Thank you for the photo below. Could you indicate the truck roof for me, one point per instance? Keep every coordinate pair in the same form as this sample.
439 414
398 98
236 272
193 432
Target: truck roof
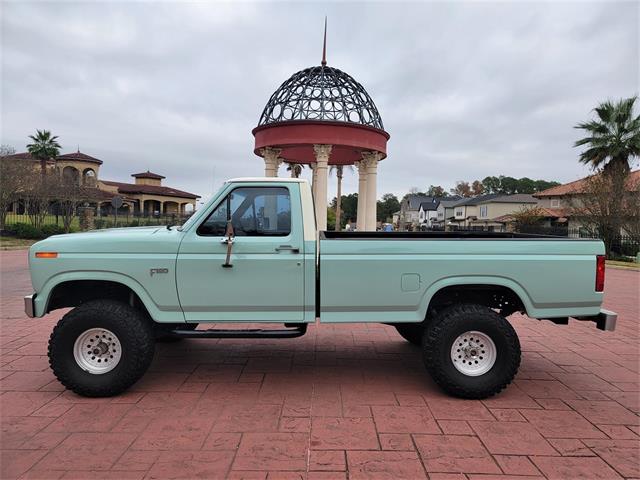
267 179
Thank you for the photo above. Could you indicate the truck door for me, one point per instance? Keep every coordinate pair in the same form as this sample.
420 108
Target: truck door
265 282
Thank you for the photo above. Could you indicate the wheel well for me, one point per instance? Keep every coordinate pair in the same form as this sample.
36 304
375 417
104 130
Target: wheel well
77 292
503 299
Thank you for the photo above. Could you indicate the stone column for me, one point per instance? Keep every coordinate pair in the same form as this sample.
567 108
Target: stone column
372 159
362 195
314 176
271 161
322 153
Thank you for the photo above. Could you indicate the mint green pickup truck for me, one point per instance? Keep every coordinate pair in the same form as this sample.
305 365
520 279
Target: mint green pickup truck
253 255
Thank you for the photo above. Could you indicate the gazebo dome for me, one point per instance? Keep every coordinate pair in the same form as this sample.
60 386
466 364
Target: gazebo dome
321 93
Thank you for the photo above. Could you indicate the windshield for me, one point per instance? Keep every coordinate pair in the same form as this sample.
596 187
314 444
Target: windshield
196 215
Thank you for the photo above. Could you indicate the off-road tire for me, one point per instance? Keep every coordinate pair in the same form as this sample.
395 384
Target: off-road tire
438 339
411 332
162 331
134 331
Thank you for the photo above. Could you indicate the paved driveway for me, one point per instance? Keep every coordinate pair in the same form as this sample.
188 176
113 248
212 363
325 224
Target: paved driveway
341 402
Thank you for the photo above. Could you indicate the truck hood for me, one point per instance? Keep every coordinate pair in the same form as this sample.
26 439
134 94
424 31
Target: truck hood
114 240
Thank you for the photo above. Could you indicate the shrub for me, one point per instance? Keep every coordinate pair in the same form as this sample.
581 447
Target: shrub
25 230
48 230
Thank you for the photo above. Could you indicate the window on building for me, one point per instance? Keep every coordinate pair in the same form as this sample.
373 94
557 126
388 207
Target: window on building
254 212
459 212
483 211
555 203
440 215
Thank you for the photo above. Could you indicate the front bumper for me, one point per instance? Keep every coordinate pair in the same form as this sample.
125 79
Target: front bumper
605 320
29 307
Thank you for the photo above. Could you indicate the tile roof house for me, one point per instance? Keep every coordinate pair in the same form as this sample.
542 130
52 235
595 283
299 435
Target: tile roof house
564 201
146 195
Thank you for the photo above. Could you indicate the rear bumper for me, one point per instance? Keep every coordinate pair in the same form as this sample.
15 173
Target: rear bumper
605 320
29 307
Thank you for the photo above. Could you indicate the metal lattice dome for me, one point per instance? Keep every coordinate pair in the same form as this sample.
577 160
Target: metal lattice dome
321 93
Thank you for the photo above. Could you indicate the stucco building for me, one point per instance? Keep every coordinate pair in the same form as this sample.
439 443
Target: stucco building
146 196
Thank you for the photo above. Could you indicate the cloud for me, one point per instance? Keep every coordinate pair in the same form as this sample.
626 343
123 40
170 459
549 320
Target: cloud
465 89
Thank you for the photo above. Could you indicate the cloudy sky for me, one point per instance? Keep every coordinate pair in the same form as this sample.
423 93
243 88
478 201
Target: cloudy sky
466 89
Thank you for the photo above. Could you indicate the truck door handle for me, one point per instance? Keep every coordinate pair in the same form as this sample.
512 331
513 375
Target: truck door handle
282 248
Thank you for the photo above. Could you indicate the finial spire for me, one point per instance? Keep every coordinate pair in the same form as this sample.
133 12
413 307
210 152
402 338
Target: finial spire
324 44
78 148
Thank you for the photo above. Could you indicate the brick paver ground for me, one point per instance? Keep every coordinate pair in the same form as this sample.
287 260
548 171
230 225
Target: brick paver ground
347 401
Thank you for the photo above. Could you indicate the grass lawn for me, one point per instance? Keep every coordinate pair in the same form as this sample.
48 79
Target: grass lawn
11 243
625 265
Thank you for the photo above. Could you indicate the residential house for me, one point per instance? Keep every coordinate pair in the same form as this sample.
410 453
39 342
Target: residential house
564 201
444 212
484 211
428 213
409 217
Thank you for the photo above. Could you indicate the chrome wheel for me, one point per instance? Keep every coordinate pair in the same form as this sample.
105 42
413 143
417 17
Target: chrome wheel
473 353
97 351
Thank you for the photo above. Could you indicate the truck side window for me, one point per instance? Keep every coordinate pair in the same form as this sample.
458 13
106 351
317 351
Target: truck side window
254 212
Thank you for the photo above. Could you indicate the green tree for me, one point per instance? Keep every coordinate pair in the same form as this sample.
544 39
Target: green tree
44 147
349 208
541 185
387 207
491 184
612 143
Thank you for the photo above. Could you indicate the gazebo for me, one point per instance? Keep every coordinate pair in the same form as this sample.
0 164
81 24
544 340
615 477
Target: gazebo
320 117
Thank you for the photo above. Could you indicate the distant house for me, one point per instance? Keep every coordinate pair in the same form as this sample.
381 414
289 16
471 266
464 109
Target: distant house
428 213
147 196
484 211
565 201
410 210
445 210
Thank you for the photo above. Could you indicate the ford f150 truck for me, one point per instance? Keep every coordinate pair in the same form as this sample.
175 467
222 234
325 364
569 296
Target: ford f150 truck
253 255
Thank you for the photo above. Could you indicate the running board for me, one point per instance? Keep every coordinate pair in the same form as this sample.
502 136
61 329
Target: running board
298 331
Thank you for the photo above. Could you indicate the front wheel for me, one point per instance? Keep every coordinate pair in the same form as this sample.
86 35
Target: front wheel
101 348
471 351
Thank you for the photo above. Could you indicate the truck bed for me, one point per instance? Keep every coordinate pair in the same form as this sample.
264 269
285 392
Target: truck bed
392 276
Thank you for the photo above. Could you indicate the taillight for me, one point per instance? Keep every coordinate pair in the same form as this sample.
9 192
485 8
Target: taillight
600 273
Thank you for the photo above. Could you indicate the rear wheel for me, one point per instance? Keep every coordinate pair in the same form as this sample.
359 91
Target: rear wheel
411 332
101 348
471 351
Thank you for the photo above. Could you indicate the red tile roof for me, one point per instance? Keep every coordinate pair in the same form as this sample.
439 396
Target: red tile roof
633 182
79 156
150 189
148 174
21 156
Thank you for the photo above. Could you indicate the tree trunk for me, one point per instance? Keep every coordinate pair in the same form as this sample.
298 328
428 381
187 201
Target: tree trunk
617 172
339 198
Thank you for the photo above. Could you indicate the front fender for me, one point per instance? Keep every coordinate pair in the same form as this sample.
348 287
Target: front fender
158 313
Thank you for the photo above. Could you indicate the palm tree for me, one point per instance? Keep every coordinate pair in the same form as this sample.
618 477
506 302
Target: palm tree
612 143
339 169
614 137
295 169
44 147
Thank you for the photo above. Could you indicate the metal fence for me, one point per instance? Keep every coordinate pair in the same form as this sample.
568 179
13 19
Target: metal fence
124 219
